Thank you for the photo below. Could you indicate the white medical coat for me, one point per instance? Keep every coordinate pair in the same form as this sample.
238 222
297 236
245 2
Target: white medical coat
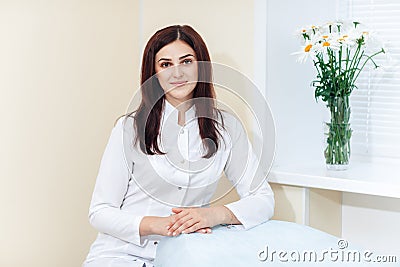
131 184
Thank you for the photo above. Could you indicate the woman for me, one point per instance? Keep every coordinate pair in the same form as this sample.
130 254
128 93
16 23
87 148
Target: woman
163 161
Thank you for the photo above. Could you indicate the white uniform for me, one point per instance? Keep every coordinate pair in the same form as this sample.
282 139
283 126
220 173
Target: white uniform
131 185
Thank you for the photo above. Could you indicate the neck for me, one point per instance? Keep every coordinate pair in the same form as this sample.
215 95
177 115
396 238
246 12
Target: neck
182 107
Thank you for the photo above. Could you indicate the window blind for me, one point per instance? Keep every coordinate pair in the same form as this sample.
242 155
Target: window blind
375 104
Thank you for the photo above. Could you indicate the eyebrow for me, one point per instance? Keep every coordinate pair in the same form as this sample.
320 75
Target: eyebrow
182 57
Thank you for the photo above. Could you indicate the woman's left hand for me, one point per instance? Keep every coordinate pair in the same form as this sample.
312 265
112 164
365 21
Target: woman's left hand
189 220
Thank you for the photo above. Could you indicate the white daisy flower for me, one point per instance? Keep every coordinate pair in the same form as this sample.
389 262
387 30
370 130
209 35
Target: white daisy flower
327 41
306 51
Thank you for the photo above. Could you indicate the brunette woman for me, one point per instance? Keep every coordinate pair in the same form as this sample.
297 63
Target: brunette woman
163 161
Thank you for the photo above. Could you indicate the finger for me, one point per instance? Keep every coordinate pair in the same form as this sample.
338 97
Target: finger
177 210
184 228
171 220
182 221
206 230
195 227
174 218
180 216
178 223
201 231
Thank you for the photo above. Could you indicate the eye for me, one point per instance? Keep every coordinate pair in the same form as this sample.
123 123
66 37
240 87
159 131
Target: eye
187 61
165 64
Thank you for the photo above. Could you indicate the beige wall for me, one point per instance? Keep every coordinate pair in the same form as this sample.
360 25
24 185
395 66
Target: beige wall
289 203
320 209
225 25
68 69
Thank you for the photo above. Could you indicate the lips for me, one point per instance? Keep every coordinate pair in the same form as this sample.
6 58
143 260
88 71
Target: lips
178 83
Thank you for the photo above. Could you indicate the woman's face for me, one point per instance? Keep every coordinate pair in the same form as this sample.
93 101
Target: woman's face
176 71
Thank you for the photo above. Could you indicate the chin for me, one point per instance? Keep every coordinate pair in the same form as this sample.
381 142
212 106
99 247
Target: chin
179 95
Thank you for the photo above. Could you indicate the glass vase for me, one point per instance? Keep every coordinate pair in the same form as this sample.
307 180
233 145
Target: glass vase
338 134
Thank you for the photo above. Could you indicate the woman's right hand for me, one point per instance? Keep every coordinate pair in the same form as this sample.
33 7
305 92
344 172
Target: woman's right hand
154 225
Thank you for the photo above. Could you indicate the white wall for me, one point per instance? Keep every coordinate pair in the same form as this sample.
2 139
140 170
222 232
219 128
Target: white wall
298 117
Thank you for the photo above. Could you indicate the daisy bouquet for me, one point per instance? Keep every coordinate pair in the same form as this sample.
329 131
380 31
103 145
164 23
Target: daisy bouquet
339 51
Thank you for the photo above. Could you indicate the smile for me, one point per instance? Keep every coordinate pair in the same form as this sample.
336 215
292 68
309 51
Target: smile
178 83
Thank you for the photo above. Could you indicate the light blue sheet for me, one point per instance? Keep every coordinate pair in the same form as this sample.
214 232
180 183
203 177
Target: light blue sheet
264 245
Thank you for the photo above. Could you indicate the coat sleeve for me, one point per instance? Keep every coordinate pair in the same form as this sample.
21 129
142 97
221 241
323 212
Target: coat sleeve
255 205
105 213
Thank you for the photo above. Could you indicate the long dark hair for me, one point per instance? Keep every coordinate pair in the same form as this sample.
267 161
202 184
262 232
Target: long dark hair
148 115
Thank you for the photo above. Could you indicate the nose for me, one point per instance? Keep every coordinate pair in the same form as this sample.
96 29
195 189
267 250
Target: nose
177 72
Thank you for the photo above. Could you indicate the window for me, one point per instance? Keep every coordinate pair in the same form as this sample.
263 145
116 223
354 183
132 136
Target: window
376 103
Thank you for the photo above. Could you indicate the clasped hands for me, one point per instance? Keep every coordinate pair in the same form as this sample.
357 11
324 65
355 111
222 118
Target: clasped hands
186 221
190 220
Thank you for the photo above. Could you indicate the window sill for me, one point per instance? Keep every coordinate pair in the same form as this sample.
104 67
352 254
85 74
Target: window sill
377 176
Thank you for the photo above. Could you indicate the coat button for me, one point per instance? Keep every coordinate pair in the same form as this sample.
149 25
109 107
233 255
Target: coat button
155 243
179 188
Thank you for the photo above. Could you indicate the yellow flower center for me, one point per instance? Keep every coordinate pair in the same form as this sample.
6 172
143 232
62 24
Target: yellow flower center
308 48
326 44
303 30
345 36
341 40
365 33
325 36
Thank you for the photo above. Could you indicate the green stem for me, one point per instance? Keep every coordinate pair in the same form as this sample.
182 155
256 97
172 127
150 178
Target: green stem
365 62
338 137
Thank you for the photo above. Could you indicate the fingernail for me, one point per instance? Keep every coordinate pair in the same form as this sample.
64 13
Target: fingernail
168 226
174 234
169 233
204 231
183 232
